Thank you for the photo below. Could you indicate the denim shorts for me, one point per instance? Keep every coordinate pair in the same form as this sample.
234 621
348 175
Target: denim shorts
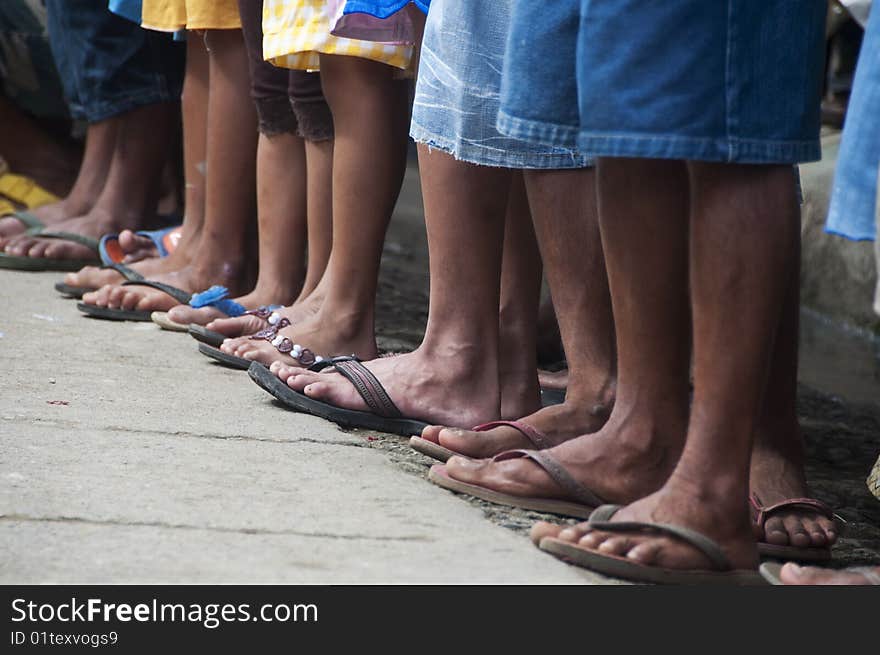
728 81
109 65
854 195
458 89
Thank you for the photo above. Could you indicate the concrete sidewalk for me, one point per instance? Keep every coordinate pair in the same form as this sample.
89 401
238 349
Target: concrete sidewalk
126 457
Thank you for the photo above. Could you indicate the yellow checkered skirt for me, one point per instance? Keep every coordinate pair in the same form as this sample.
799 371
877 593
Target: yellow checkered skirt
295 32
173 15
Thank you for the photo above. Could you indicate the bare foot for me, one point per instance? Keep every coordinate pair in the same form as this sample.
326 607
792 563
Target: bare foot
792 574
93 224
629 458
186 314
454 389
776 476
191 279
136 247
246 325
678 505
325 334
558 423
50 215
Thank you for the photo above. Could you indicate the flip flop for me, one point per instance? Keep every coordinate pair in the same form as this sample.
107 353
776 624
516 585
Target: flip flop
627 569
582 506
144 316
78 292
234 361
22 263
161 319
165 241
204 335
29 220
433 449
794 553
217 297
385 417
770 571
230 361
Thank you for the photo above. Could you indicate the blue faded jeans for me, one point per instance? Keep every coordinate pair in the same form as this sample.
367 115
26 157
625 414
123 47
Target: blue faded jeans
720 80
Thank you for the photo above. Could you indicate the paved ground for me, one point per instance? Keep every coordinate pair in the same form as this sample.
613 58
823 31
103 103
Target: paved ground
125 456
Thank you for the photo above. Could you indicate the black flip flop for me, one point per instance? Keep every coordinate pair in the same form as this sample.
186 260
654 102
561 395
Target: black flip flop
203 334
72 291
231 361
107 313
374 395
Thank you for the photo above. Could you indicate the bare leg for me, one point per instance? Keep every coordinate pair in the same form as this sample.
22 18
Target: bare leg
281 216
564 208
452 377
369 158
229 191
777 465
743 235
642 215
520 295
194 103
319 202
98 153
319 161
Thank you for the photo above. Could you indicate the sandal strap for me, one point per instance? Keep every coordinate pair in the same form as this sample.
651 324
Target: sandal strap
81 239
808 504
179 295
29 220
128 273
538 438
369 387
332 361
556 471
217 296
699 541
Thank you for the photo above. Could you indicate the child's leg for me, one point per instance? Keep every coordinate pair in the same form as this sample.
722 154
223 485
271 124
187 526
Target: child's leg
230 186
194 103
370 115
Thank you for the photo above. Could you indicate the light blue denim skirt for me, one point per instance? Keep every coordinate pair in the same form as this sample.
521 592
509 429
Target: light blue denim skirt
854 195
710 80
458 89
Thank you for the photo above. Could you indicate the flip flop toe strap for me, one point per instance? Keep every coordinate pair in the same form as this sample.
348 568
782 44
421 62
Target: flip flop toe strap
808 504
179 295
217 296
29 220
369 387
556 471
538 438
128 273
276 322
699 541
81 239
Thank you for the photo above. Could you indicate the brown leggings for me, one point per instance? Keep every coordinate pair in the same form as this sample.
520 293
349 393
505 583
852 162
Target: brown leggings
287 101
